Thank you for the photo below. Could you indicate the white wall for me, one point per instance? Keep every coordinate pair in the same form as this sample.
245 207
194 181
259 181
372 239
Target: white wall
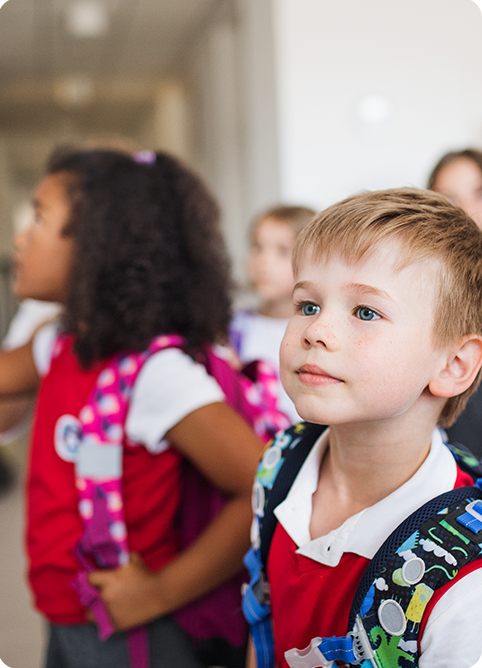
424 56
275 86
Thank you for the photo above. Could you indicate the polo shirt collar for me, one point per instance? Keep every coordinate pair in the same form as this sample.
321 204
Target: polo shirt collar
365 532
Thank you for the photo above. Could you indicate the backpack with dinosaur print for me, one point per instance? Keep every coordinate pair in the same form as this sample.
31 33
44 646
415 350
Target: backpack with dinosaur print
423 553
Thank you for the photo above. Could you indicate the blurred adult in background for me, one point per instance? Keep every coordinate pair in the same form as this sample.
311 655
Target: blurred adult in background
458 176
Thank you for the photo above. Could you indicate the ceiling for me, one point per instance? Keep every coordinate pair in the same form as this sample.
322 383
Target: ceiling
52 82
143 39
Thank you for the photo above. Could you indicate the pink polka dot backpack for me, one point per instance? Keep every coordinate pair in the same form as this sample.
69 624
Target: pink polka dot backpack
252 393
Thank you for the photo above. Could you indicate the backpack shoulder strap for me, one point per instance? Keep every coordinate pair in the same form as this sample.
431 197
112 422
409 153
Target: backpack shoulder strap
251 391
276 473
98 471
425 552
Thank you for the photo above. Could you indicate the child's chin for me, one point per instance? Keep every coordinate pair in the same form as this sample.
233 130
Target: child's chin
310 414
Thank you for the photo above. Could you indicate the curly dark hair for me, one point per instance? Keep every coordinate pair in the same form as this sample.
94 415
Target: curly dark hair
149 256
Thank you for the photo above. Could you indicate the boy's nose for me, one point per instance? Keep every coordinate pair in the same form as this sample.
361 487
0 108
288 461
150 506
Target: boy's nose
322 331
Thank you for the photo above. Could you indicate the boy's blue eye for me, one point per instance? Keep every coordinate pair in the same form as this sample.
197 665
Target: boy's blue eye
309 309
365 313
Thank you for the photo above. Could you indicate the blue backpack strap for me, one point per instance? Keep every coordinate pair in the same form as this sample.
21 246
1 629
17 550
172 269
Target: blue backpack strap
276 473
424 553
256 609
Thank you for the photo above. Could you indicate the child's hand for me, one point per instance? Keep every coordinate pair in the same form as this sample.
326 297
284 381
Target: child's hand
128 593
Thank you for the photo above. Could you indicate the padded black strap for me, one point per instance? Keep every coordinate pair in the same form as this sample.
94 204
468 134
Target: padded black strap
404 530
294 459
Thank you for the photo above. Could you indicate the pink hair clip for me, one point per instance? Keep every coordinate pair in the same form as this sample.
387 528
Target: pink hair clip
145 157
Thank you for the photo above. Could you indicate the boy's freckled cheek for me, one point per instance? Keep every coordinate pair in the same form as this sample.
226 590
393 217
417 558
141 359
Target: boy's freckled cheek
357 343
286 354
360 344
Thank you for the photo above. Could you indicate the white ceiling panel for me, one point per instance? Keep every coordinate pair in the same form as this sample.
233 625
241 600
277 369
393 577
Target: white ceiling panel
39 56
144 38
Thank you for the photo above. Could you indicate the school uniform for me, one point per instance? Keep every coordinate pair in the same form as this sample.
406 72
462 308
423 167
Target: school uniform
312 582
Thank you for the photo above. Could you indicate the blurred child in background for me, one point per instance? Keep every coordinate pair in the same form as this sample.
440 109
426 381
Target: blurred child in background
256 334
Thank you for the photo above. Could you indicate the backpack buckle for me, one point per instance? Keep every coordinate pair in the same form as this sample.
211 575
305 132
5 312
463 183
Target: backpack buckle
472 517
362 648
310 657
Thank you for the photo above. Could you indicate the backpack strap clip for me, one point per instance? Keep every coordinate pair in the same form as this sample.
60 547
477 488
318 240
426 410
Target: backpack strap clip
323 652
310 657
353 649
472 518
362 648
261 588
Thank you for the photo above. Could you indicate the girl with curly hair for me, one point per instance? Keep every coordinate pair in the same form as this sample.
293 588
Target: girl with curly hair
132 249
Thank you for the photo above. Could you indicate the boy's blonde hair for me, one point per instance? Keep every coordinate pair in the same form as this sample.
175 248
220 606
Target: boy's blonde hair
427 227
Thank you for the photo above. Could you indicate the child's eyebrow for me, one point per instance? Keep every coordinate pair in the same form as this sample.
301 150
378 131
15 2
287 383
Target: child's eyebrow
301 285
369 289
353 287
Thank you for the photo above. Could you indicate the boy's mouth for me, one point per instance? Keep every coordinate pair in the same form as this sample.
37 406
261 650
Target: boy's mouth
310 374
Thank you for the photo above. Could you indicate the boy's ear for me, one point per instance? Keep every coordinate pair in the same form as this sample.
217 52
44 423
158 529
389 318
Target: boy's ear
462 364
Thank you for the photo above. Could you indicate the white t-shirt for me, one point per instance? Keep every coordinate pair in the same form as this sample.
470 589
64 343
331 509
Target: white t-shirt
256 337
169 386
453 634
30 314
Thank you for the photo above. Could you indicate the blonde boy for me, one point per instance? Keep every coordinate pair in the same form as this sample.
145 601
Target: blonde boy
385 345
